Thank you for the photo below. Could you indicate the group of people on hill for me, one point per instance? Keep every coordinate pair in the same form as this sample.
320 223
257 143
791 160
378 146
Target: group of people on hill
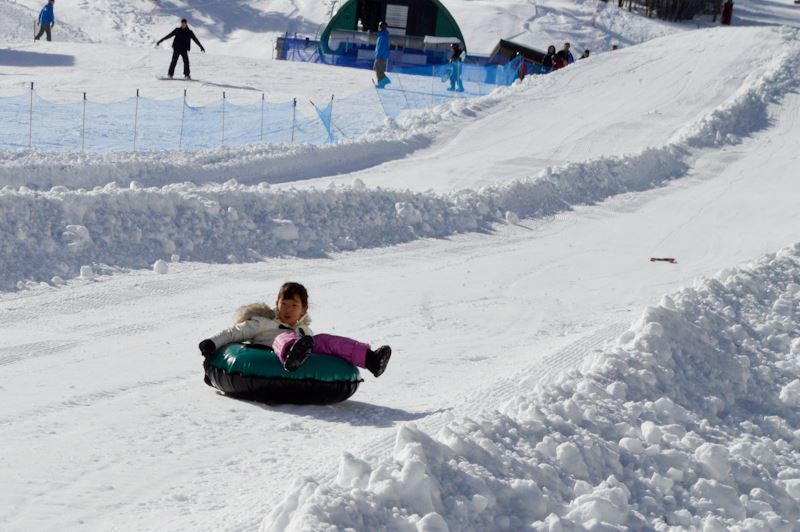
456 59
183 36
554 60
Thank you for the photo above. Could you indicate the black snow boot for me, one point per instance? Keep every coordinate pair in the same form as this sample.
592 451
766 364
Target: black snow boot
378 360
298 353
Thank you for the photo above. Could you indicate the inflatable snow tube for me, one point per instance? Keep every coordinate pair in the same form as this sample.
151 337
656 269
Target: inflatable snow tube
257 374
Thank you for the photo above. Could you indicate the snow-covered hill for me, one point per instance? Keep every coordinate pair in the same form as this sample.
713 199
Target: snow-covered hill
560 151
499 244
248 28
690 421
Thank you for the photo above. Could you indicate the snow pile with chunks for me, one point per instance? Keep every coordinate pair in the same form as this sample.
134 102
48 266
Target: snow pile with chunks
690 420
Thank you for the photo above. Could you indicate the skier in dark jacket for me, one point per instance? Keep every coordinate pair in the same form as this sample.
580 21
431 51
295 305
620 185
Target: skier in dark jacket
47 20
181 45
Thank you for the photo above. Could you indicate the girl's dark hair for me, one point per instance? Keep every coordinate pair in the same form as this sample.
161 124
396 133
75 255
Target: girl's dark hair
290 290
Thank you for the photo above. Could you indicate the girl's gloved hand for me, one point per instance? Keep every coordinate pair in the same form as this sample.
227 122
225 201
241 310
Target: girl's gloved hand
207 348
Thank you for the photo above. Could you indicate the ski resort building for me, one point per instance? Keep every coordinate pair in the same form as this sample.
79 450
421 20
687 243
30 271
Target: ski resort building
421 32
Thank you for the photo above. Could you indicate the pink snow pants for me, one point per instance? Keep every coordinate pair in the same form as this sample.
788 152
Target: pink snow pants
325 344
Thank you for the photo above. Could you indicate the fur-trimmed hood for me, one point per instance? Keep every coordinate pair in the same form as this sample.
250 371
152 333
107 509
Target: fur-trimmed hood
262 310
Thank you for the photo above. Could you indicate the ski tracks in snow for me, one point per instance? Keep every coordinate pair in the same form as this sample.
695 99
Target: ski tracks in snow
545 369
130 21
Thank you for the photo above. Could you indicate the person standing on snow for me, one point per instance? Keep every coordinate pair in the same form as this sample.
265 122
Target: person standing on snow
564 57
47 19
181 45
381 56
549 60
456 60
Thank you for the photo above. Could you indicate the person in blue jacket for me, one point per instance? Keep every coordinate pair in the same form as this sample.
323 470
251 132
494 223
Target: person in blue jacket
47 20
457 56
381 56
564 57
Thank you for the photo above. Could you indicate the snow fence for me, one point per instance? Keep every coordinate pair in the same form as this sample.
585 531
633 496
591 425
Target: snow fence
690 421
145 124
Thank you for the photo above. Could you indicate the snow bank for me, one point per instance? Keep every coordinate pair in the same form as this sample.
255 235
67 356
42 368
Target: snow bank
688 421
54 233
274 163
746 111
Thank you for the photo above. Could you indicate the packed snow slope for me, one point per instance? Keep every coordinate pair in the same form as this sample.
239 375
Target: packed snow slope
507 151
580 113
616 104
688 419
107 423
87 69
249 27
119 430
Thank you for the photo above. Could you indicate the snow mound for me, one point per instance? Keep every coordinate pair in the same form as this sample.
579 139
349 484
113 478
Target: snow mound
274 163
53 233
683 423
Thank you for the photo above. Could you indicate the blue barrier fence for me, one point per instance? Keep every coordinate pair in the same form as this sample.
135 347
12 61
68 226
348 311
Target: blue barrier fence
144 124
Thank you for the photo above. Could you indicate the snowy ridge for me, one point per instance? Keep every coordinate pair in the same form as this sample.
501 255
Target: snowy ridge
747 110
273 163
685 422
54 233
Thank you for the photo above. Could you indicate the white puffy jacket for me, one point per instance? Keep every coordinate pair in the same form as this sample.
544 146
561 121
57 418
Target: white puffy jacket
258 324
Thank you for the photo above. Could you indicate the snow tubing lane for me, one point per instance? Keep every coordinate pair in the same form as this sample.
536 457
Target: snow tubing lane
258 375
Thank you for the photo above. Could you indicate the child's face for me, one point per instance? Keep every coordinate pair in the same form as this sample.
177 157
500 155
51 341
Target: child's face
291 310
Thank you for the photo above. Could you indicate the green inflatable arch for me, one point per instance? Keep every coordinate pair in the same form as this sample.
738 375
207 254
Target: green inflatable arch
346 19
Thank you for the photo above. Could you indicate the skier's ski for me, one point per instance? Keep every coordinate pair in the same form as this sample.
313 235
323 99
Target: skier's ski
167 78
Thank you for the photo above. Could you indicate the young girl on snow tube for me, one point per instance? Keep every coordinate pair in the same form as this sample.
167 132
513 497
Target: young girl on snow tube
287 333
